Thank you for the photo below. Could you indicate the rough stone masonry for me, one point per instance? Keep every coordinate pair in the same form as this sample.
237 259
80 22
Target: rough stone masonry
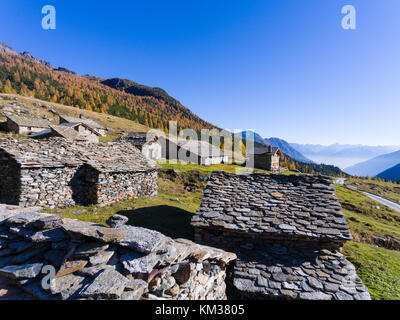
95 262
57 173
287 232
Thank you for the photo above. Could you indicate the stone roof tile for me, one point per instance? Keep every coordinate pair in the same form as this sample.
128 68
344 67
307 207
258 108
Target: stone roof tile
56 152
280 206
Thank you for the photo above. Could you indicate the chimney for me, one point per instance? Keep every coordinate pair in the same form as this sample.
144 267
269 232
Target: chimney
270 149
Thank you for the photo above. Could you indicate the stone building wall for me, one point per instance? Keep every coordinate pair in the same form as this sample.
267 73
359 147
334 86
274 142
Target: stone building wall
278 268
229 240
266 162
10 176
120 186
50 187
95 262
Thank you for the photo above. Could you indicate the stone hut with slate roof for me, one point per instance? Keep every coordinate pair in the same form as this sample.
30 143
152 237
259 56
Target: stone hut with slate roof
25 125
147 143
58 173
267 158
69 131
287 232
194 151
88 122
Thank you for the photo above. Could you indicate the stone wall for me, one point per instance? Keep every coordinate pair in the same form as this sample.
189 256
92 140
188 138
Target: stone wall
229 240
120 186
95 262
10 175
50 187
287 269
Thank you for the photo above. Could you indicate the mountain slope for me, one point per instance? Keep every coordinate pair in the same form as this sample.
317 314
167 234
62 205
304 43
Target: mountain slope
289 150
137 89
374 166
153 107
253 136
392 174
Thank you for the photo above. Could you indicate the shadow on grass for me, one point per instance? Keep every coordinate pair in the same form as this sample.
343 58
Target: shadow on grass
171 221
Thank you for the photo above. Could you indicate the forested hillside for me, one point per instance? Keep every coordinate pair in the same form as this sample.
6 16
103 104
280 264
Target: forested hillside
27 76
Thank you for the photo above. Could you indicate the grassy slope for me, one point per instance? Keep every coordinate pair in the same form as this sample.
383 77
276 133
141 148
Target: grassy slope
388 190
378 268
105 120
364 218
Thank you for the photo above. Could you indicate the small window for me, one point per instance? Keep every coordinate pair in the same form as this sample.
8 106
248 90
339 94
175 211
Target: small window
188 154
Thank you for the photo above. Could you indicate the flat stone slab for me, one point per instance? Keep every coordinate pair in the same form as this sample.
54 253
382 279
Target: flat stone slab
47 222
71 267
101 258
81 228
51 235
90 249
26 271
23 218
109 284
134 264
141 239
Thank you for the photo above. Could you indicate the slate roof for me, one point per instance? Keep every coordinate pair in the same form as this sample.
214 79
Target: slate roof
91 123
56 152
68 133
279 206
29 122
139 138
265 150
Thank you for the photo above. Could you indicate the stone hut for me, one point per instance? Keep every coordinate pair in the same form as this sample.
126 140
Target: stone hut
25 125
58 173
88 122
287 232
193 151
93 262
267 158
69 131
147 143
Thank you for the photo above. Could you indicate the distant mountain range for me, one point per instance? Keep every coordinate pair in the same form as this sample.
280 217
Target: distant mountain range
392 174
375 166
285 147
342 155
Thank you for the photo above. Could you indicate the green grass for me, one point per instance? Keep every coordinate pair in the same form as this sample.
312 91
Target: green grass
378 268
169 212
365 219
205 170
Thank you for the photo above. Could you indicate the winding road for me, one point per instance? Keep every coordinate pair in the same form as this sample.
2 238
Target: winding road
392 205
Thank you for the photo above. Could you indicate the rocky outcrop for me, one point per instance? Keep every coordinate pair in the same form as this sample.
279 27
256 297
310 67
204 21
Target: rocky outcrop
90 261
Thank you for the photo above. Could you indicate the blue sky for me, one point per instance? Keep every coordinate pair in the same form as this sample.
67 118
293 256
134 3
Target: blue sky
284 68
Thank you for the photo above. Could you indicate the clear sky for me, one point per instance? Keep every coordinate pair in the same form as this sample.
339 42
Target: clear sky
284 68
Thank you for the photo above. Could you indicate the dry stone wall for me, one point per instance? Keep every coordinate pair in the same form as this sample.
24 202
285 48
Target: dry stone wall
55 173
276 268
112 187
97 262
